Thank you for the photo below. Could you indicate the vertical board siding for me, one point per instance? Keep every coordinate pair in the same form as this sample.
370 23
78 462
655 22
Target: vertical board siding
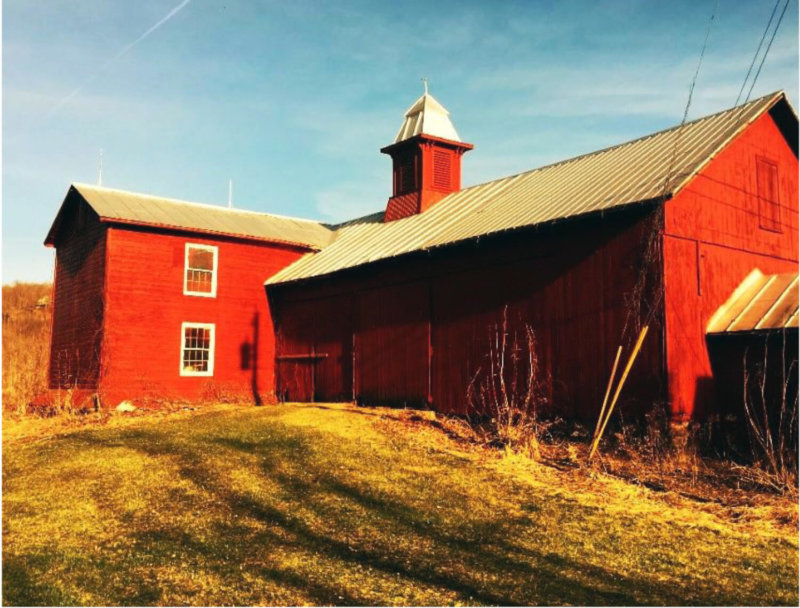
333 344
392 345
713 239
145 307
78 305
424 324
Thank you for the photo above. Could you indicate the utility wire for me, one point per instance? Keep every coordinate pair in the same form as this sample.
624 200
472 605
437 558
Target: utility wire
752 63
775 31
652 246
668 176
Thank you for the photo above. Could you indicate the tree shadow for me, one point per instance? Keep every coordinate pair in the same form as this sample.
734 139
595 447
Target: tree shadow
477 558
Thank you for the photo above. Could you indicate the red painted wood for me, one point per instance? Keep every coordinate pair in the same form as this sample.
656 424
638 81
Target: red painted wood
424 154
569 283
145 307
713 239
78 305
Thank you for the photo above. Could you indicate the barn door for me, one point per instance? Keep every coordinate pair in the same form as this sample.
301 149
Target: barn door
295 375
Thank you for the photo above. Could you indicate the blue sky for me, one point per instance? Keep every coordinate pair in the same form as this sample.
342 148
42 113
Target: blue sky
292 100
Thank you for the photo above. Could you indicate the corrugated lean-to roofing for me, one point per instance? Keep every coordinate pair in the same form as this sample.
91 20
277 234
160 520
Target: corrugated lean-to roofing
118 206
761 302
645 169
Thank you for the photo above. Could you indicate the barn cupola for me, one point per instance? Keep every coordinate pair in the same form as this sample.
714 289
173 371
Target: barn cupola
426 159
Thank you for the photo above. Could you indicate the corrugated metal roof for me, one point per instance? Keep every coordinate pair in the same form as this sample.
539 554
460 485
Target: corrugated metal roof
118 206
761 302
427 116
649 168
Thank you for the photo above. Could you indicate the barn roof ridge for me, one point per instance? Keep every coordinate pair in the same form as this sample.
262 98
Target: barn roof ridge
775 94
650 168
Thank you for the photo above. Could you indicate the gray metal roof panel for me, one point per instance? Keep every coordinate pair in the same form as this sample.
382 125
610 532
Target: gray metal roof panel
760 302
657 165
128 207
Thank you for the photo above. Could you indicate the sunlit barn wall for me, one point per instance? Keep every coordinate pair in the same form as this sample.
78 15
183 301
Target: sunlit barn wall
713 239
145 307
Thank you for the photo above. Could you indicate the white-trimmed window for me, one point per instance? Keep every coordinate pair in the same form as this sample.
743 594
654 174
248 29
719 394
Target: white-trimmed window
197 349
200 271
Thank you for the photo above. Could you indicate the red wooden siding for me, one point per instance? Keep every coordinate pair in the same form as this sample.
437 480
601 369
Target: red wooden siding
78 306
392 344
145 307
425 169
714 236
422 325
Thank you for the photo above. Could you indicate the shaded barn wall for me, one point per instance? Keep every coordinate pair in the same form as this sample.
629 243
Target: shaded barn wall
757 370
78 303
713 239
145 308
414 331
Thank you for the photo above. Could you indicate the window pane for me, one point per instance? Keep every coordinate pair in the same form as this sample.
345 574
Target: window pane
196 352
201 259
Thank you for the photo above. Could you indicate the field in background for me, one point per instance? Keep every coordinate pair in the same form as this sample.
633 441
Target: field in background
325 504
26 343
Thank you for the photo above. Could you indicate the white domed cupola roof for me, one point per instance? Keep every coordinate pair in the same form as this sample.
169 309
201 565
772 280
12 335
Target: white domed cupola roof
428 117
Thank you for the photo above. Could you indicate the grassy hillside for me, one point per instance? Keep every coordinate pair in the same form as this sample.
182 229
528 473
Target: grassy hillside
26 343
338 505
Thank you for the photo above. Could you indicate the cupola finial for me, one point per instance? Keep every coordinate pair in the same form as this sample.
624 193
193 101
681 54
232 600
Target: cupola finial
425 84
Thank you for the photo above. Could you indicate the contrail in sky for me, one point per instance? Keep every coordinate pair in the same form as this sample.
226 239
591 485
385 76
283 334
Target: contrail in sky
119 54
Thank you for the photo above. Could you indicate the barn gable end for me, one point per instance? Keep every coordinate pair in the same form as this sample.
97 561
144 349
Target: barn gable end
78 303
716 232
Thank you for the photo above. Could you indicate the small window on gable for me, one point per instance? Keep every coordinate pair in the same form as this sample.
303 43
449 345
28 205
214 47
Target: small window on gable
197 349
200 272
769 205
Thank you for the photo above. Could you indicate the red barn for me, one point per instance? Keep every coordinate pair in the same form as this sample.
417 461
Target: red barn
163 299
657 231
396 307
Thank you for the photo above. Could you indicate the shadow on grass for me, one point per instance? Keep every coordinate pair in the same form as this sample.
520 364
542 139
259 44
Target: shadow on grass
477 560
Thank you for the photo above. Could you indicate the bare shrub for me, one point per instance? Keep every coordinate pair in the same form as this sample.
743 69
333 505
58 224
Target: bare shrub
507 394
772 419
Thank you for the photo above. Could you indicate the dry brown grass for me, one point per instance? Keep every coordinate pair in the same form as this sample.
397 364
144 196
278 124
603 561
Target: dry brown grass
329 504
26 343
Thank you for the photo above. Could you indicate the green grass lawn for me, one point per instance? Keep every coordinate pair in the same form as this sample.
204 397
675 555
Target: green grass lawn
315 505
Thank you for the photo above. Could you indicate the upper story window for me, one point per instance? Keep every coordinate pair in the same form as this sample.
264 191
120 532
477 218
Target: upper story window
769 201
200 272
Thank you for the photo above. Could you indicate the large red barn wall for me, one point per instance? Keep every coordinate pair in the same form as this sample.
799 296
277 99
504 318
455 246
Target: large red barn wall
145 307
372 332
77 326
712 241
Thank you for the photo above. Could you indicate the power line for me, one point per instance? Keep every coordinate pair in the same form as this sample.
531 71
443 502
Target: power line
775 31
752 63
668 175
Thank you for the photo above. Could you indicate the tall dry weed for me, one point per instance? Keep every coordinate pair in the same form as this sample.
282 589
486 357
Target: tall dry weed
26 343
508 392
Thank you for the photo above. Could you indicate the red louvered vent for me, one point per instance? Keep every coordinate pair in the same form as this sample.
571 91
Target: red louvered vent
406 175
442 170
769 205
